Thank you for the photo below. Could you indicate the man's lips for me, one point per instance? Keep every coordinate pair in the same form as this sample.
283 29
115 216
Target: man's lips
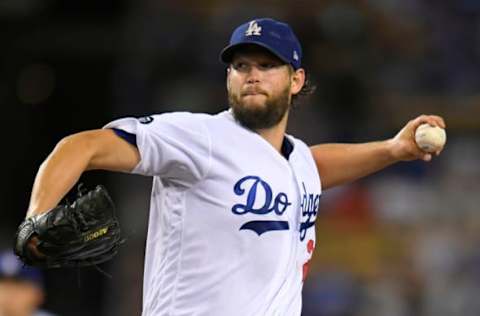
253 92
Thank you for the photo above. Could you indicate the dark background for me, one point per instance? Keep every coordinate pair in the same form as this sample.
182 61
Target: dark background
402 242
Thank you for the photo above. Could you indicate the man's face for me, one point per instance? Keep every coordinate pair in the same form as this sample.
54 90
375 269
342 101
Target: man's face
19 297
260 87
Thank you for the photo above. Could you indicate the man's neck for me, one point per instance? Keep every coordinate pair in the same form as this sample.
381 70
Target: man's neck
274 135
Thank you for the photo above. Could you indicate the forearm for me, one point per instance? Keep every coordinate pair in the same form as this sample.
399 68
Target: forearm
342 163
59 173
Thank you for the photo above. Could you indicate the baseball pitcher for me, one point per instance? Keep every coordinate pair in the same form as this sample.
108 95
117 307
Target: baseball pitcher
234 198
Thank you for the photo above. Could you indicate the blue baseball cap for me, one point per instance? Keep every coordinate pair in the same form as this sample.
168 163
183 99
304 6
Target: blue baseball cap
12 268
277 37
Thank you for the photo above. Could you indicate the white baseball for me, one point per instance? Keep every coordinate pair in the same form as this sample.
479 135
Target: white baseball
430 138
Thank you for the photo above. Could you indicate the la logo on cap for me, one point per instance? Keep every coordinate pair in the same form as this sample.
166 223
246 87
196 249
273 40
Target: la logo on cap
253 29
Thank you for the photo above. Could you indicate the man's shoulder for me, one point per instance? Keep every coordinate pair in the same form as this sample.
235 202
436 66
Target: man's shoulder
185 116
296 141
300 146
180 116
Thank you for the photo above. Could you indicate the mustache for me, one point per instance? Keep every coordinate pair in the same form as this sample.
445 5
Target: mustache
253 90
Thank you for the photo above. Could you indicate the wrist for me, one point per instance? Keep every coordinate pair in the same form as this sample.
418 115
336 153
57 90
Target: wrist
391 150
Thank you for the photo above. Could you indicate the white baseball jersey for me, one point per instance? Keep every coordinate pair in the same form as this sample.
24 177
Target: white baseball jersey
231 224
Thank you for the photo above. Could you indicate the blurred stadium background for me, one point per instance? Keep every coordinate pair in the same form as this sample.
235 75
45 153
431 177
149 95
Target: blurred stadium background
401 242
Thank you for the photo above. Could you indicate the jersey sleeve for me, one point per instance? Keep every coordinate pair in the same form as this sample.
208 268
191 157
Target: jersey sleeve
173 146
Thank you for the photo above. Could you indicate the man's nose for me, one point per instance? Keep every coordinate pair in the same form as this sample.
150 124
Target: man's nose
253 75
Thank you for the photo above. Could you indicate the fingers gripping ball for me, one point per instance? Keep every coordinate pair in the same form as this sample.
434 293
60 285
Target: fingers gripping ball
429 138
83 233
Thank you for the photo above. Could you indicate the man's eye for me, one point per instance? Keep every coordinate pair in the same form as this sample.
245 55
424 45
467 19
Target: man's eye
239 66
268 65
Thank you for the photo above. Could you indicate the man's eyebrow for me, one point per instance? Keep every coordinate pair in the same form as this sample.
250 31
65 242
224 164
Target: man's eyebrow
262 59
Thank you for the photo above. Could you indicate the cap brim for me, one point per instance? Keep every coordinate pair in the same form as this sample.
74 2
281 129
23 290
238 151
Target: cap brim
226 54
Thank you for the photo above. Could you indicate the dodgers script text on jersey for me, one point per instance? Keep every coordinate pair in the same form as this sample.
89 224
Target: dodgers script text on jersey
231 226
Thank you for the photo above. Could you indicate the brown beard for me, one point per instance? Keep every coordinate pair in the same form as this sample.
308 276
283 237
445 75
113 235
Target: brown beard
260 117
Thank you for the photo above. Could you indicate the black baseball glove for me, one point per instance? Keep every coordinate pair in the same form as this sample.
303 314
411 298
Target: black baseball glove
83 233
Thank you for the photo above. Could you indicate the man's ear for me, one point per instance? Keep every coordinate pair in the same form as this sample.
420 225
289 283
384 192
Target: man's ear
227 78
297 80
